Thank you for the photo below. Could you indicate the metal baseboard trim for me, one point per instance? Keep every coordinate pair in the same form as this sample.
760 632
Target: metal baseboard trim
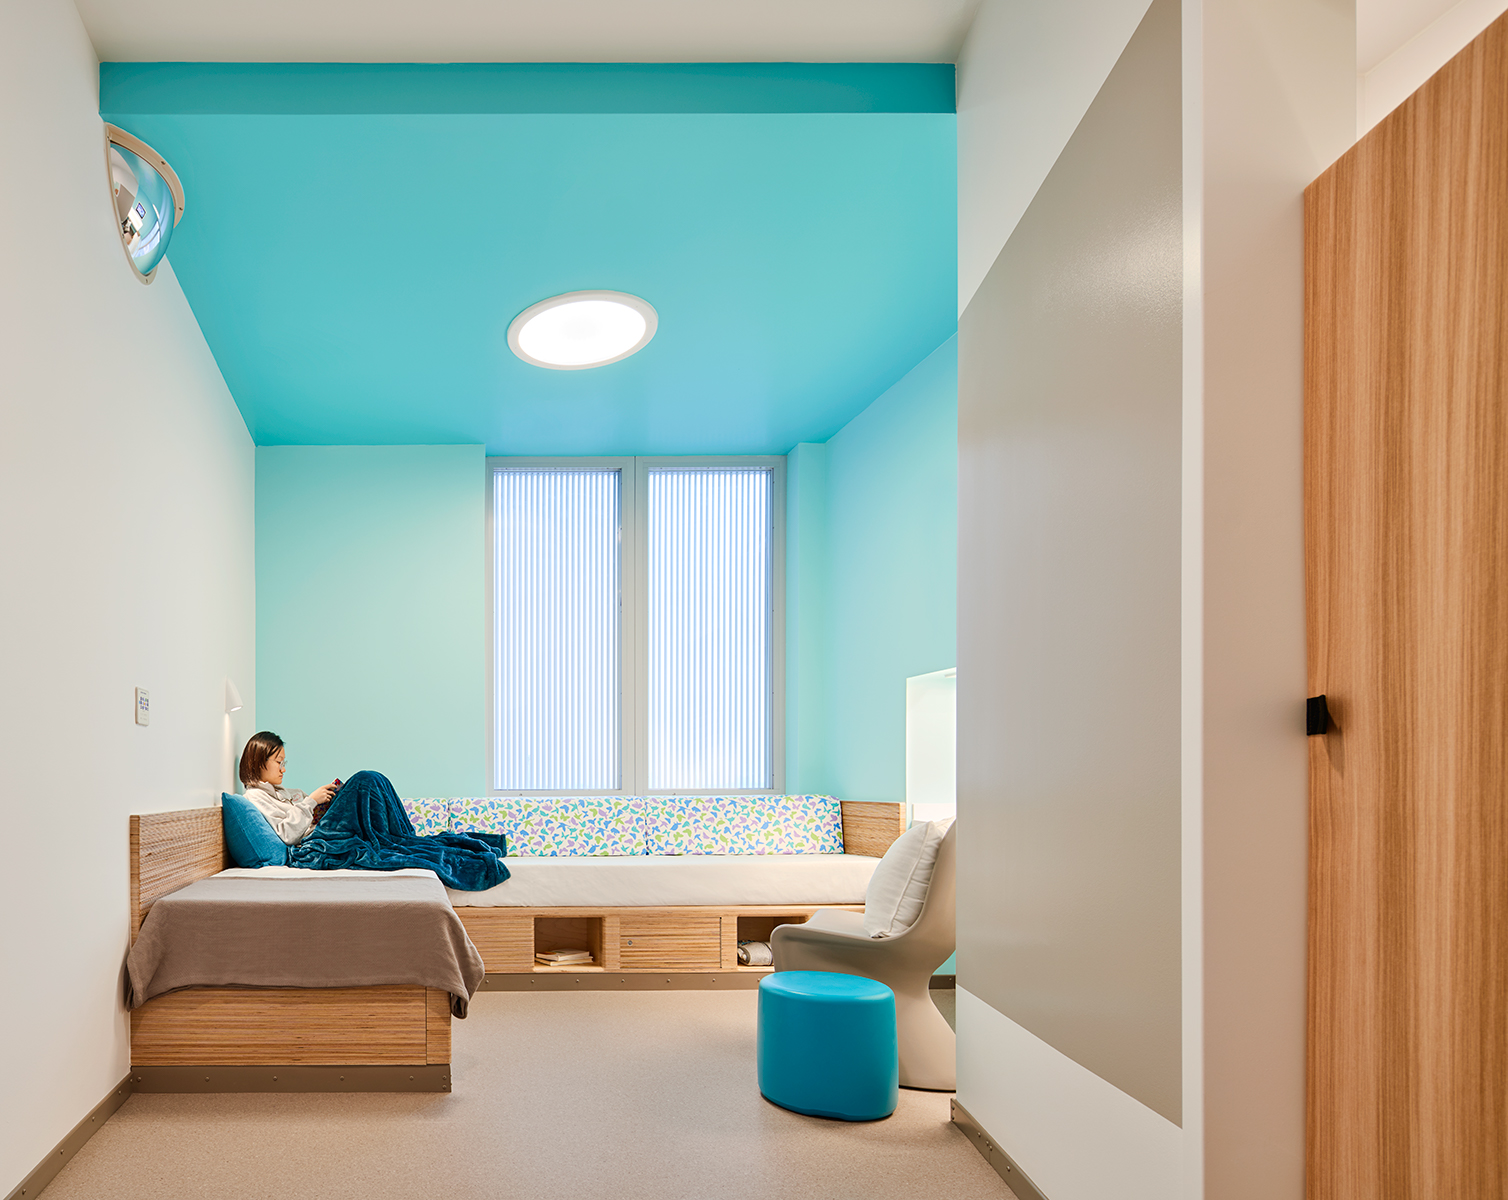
642 981
46 1170
1004 1165
625 981
433 1077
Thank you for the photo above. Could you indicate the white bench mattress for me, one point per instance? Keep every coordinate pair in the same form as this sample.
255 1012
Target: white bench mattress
663 881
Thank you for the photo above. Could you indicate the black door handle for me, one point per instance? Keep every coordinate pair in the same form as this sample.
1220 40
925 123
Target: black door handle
1317 716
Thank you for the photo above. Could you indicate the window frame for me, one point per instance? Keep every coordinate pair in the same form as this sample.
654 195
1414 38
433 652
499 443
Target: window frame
633 614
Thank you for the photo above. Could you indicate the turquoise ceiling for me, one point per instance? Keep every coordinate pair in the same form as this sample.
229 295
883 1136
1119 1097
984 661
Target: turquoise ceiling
357 239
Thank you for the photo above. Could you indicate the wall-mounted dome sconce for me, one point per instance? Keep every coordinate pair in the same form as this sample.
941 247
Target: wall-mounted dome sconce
148 199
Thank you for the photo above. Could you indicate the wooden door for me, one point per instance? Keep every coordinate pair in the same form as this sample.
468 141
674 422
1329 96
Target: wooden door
1407 578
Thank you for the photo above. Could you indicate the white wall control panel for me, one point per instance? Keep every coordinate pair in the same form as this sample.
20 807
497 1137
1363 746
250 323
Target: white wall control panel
143 707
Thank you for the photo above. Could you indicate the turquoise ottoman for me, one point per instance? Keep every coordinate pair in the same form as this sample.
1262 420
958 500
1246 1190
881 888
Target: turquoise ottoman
827 1045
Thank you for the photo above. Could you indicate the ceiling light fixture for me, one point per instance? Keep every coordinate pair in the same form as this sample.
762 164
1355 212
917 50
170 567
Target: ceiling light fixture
582 329
148 199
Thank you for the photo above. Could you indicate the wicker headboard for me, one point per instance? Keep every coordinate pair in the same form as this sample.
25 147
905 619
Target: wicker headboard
171 850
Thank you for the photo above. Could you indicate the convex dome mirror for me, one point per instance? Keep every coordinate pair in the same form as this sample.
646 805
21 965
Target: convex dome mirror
148 199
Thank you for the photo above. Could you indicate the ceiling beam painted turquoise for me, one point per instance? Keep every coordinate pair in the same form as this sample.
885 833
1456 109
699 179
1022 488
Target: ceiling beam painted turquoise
354 256
312 88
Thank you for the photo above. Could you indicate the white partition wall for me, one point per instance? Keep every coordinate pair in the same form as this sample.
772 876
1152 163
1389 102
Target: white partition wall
1131 750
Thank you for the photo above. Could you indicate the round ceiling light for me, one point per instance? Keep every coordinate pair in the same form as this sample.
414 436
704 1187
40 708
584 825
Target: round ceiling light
582 329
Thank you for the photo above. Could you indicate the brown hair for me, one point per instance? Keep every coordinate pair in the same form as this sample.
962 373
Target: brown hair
259 749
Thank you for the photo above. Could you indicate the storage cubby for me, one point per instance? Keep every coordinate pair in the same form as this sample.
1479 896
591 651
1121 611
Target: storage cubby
569 933
759 928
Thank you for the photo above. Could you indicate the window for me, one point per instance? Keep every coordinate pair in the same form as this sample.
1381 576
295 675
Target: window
635 613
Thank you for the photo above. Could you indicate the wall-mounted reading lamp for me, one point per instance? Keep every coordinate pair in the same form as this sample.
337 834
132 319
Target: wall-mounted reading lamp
232 698
148 199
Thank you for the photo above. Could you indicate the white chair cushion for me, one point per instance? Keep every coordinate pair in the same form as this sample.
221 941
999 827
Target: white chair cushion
898 888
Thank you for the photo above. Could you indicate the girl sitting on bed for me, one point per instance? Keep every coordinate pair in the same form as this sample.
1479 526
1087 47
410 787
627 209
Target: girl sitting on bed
361 824
290 813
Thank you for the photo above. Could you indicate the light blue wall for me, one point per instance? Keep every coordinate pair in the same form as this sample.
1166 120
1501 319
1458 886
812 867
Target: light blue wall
873 529
805 614
371 631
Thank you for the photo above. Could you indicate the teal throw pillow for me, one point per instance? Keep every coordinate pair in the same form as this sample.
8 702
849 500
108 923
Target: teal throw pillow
252 842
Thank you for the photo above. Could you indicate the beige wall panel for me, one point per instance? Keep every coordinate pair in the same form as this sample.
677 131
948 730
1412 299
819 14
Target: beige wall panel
1069 562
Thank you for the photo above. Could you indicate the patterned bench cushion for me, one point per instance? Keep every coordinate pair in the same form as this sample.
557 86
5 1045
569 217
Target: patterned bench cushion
429 814
545 826
745 825
618 825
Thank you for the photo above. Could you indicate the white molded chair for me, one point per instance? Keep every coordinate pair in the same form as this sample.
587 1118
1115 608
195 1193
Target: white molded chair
834 940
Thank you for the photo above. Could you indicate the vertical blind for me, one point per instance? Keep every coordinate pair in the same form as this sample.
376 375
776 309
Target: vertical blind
709 629
556 630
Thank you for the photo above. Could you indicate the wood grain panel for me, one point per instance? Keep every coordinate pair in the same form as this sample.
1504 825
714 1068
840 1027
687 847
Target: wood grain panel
611 941
171 850
1406 528
727 957
869 827
253 1026
504 937
671 943
436 1025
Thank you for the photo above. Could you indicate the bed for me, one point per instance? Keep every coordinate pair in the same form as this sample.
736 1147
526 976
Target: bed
396 1037
373 1037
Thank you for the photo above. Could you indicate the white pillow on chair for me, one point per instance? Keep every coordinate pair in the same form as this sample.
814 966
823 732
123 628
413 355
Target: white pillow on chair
898 888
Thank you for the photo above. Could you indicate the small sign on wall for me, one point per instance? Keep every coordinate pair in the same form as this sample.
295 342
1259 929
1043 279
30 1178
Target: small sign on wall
143 707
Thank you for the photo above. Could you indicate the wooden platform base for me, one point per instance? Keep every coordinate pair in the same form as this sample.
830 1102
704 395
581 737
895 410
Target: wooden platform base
422 1077
645 981
664 942
633 981
269 1027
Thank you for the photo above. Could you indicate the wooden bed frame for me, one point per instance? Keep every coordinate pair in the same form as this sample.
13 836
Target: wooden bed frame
213 1039
398 1038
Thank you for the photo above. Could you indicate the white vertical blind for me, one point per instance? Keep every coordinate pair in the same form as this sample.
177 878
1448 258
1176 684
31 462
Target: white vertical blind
709 625
556 630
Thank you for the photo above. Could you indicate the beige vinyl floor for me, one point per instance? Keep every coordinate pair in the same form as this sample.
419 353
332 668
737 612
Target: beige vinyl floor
628 1096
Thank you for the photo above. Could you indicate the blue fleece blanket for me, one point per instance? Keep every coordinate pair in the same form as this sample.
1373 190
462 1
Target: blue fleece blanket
366 829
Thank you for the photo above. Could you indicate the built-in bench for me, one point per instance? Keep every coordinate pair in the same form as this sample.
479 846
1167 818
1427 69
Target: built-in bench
659 890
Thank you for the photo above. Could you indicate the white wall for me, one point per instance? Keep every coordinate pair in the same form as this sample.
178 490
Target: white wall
1027 73
1268 105
126 479
1401 43
1269 102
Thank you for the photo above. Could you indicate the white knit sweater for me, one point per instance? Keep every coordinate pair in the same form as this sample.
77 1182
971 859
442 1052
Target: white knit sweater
288 810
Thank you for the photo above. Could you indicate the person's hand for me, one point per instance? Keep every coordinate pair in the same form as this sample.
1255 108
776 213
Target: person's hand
320 795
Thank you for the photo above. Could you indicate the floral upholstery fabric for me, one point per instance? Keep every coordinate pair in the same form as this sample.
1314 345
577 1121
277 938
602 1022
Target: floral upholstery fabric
795 825
745 825
698 825
567 826
553 827
429 815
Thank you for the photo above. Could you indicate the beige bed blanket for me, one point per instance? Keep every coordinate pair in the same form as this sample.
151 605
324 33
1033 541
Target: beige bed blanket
309 929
